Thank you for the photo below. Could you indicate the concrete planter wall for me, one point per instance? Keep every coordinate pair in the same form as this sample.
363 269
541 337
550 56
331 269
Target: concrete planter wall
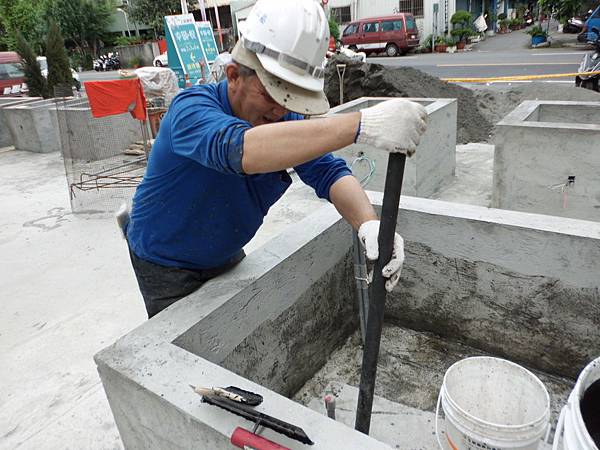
538 147
33 127
6 138
265 325
434 163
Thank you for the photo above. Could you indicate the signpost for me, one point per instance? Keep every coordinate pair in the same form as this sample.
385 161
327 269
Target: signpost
185 52
207 38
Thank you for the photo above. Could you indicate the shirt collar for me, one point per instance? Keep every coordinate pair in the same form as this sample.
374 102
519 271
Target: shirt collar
224 97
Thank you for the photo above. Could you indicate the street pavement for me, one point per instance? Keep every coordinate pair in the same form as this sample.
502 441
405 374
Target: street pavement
496 56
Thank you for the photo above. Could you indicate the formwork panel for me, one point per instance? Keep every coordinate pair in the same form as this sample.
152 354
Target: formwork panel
547 159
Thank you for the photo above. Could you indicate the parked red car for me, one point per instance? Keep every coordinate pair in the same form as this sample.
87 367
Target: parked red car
395 34
11 74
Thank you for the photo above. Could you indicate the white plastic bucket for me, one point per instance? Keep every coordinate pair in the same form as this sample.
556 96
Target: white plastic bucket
571 426
493 404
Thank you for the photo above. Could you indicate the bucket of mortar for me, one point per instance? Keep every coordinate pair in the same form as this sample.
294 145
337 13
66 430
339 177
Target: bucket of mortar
494 404
579 420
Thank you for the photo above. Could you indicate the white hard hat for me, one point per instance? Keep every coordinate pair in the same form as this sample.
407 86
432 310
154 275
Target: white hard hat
290 39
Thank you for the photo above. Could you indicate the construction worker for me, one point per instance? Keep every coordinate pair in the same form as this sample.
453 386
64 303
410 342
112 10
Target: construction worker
219 161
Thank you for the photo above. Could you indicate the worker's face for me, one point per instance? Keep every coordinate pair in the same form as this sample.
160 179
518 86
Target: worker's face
250 100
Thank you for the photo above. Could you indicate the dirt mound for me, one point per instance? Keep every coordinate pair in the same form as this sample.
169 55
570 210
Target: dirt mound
375 80
496 101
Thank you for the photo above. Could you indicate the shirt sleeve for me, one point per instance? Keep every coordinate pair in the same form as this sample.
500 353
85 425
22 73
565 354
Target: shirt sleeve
321 173
203 132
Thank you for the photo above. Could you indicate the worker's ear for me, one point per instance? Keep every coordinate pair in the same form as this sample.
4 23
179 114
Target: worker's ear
233 73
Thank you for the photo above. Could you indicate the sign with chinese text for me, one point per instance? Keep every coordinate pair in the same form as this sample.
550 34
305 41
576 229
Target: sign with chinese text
184 49
207 37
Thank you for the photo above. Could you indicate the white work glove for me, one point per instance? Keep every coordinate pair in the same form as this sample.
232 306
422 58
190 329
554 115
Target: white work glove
395 126
368 234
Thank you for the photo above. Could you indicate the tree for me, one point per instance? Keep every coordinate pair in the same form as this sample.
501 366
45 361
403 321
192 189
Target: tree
24 16
563 9
152 12
31 67
334 29
59 71
82 21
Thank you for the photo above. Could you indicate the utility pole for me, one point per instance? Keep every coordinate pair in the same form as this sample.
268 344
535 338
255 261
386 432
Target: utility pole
184 8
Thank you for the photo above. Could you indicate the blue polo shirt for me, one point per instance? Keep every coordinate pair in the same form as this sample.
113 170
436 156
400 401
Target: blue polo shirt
195 208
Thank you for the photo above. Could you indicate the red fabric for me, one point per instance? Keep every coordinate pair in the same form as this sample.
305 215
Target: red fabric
116 97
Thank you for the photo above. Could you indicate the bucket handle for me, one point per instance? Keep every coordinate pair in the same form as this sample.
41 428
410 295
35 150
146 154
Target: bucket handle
559 428
437 411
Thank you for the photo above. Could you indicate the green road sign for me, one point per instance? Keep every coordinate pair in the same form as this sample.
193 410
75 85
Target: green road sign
207 37
185 53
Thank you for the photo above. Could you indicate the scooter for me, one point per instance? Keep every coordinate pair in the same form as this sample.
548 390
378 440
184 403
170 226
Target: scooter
590 63
576 24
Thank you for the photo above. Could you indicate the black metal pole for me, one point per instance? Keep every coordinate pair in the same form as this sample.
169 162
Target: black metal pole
387 229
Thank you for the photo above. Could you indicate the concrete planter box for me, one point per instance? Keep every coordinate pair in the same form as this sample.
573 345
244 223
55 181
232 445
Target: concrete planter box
5 136
33 127
434 163
520 285
538 147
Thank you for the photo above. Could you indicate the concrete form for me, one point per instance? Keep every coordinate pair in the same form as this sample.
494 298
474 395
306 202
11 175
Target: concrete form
471 273
33 127
433 165
539 146
5 136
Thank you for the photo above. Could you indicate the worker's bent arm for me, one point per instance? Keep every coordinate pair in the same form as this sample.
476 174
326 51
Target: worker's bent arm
279 146
351 201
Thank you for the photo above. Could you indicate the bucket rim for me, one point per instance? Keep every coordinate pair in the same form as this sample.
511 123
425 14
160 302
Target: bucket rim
542 419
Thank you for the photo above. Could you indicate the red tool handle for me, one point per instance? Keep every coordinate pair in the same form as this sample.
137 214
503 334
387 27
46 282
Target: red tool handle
245 439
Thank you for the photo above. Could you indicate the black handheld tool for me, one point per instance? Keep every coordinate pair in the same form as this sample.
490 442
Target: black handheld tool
387 230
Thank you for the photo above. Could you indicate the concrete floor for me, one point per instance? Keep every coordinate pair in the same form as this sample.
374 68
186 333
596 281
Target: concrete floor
68 290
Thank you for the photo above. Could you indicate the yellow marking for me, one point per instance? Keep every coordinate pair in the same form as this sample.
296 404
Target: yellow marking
517 77
512 64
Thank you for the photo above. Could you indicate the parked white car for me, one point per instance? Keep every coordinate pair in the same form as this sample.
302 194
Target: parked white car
44 66
161 60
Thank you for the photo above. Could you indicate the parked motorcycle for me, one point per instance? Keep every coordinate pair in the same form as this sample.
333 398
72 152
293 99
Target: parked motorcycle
576 24
590 63
107 62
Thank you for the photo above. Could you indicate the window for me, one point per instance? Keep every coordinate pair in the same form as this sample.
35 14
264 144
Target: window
342 14
10 71
350 29
414 7
410 23
371 27
391 25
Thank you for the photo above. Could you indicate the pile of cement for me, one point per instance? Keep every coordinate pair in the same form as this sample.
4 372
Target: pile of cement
375 80
496 101
480 107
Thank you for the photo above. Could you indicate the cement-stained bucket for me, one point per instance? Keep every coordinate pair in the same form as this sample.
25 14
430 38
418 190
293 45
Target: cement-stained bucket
571 431
491 403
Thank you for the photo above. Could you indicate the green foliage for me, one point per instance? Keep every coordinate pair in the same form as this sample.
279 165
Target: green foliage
503 23
151 12
427 41
462 18
31 67
59 70
83 60
122 41
564 9
537 31
334 29
24 16
501 16
82 21
135 62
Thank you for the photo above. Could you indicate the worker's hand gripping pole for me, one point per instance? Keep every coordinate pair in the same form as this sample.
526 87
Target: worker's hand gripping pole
389 217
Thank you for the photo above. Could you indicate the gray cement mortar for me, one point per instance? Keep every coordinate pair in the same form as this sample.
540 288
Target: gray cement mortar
410 370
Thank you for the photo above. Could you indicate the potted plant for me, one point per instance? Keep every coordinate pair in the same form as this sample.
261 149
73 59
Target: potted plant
440 44
451 42
503 26
461 24
538 35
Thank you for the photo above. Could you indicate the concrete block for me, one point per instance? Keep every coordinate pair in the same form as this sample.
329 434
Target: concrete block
5 136
32 126
433 165
539 146
523 285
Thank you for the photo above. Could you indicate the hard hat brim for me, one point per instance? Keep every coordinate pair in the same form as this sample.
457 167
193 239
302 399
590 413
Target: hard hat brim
291 97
